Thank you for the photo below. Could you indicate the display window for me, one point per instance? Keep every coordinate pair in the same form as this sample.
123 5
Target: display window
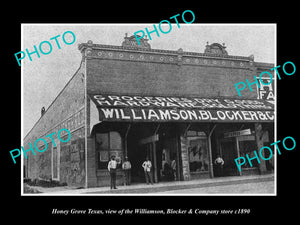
198 151
107 145
247 145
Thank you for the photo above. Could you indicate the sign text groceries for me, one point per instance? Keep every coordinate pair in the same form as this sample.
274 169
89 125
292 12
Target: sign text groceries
36 144
188 109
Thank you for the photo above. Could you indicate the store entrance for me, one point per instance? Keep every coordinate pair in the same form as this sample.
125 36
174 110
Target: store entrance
149 147
228 153
139 150
137 155
142 144
162 151
160 147
169 161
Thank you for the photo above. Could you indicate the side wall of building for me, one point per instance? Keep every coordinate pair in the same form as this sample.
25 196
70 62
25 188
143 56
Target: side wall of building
66 111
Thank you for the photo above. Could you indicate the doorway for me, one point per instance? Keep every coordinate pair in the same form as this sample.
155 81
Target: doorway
141 143
228 152
161 147
137 155
169 160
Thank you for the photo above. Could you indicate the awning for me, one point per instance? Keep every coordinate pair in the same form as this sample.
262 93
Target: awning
190 109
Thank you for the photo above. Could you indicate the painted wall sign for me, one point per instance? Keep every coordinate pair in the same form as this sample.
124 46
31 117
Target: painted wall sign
161 115
179 102
266 89
138 108
72 123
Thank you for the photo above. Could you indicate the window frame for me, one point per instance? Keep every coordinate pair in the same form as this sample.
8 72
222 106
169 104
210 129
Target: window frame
102 165
57 147
198 135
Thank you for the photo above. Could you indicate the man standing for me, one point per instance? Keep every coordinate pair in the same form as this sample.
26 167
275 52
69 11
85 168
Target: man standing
173 166
147 169
219 163
112 168
126 166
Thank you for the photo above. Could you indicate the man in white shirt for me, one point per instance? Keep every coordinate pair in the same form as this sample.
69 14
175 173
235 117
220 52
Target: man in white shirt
147 169
219 162
112 168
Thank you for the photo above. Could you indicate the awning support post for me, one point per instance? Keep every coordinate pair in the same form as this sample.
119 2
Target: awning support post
238 152
156 129
154 156
187 129
125 140
211 173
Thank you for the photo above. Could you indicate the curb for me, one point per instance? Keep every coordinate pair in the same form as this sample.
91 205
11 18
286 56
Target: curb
153 189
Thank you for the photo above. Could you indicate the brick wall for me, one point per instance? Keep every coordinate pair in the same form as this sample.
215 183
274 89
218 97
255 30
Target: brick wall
153 78
91 162
66 111
72 160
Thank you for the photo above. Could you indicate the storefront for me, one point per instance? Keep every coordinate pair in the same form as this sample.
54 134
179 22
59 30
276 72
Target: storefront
178 108
184 133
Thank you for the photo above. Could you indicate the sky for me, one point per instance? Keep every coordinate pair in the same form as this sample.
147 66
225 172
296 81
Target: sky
43 78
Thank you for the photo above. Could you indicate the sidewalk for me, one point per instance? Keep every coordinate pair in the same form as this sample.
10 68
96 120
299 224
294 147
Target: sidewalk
157 187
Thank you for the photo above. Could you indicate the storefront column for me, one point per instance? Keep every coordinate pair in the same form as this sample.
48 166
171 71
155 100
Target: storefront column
154 161
153 145
211 165
185 158
125 141
238 152
260 143
91 163
179 175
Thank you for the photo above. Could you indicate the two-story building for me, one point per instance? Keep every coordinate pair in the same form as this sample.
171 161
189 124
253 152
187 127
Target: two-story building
132 100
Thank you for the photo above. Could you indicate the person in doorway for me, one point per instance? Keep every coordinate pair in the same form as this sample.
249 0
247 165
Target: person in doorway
219 162
147 170
112 168
126 166
173 166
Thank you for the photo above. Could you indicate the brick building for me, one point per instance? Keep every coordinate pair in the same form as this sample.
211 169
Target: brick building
134 101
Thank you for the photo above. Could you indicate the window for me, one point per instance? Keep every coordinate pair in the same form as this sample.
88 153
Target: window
55 162
198 151
108 144
247 147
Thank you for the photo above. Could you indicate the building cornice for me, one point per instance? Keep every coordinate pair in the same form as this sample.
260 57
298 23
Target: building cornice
83 46
179 57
